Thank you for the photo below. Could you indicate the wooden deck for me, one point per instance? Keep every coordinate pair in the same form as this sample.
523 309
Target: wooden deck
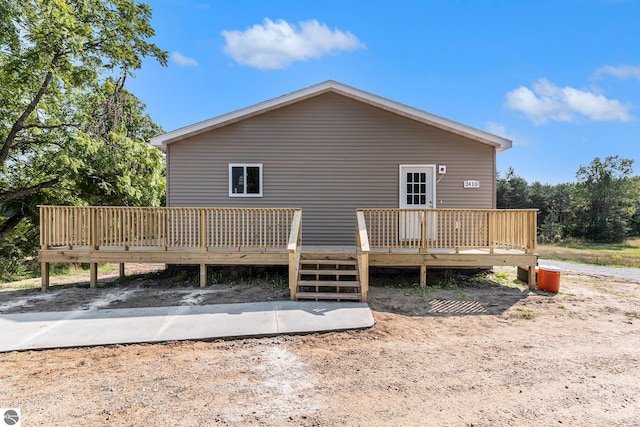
234 236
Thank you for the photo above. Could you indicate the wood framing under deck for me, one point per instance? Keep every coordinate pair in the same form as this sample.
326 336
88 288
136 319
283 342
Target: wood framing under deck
425 238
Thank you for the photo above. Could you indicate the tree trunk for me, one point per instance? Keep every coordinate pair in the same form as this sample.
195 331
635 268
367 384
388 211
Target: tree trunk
11 223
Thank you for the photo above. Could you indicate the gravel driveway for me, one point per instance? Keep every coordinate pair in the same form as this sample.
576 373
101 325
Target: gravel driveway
623 273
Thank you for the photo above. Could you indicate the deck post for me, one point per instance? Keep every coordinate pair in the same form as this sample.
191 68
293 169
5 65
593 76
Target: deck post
93 229
490 231
202 229
203 275
93 274
423 276
423 232
44 266
364 275
533 232
121 268
293 275
44 273
533 285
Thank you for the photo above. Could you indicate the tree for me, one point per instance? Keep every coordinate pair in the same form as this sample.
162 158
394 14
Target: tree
634 214
602 199
555 210
70 133
69 130
512 192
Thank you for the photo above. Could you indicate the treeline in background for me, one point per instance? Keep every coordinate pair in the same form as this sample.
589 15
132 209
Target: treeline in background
603 205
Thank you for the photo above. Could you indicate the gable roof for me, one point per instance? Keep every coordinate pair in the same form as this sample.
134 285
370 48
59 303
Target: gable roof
500 143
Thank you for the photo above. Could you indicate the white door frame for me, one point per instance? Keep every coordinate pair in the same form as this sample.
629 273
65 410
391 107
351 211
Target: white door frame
410 223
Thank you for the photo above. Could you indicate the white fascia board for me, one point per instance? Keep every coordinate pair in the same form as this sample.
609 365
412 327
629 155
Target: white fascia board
498 142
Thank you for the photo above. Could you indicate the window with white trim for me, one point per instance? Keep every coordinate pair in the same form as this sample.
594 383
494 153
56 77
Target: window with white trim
245 180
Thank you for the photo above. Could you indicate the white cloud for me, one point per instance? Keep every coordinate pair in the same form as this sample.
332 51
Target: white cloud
621 72
501 130
182 60
275 45
545 101
497 129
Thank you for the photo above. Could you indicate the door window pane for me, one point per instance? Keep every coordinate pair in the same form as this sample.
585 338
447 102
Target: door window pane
415 189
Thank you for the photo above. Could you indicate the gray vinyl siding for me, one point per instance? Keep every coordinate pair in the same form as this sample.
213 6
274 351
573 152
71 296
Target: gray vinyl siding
328 155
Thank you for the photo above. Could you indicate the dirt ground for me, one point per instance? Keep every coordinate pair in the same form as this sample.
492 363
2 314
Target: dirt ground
469 350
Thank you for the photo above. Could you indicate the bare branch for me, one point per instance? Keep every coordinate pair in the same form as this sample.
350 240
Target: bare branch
58 126
9 224
20 123
12 195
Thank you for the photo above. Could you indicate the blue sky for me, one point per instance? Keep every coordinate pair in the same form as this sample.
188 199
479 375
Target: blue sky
559 78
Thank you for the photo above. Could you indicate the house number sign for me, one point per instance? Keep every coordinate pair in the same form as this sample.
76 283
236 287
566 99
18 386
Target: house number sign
472 184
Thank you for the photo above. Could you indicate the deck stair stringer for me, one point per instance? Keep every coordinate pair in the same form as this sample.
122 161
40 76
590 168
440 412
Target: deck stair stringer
328 276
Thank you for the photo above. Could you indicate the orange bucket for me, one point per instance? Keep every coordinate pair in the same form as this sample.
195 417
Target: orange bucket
549 279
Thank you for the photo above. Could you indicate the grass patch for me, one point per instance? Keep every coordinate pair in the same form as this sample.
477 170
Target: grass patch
618 255
31 270
441 280
275 277
503 278
20 287
567 294
525 313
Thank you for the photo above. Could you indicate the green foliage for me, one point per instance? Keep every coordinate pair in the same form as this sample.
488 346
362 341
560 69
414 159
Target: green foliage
602 198
513 192
15 253
614 254
603 206
70 133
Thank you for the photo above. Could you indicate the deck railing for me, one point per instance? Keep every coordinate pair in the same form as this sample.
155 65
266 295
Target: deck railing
165 228
428 229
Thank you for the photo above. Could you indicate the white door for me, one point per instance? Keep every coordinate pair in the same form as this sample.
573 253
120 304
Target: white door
417 191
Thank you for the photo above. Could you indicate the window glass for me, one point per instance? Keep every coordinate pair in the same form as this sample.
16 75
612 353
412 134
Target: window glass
253 180
237 180
245 180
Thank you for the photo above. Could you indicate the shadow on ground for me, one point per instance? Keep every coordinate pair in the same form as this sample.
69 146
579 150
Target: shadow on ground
393 290
449 292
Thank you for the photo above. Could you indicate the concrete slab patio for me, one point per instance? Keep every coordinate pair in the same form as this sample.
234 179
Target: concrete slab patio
31 331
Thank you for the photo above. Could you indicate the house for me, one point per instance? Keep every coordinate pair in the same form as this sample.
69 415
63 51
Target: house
331 149
327 180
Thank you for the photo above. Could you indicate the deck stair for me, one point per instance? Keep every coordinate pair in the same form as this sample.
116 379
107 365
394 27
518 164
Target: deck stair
324 276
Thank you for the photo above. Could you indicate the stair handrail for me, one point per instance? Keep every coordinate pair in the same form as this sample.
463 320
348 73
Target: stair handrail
362 250
294 248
